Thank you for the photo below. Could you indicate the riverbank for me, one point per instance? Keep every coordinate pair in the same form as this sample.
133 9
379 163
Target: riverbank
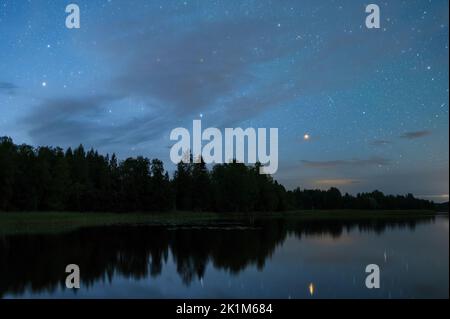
51 222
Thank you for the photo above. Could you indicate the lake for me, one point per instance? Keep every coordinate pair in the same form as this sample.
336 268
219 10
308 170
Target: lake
248 258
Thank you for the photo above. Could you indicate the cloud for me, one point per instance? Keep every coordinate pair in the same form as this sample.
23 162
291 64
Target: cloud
336 182
207 66
230 69
178 73
191 70
437 198
61 120
56 109
415 134
8 87
346 163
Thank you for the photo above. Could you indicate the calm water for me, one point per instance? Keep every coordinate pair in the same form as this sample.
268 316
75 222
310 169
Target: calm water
271 258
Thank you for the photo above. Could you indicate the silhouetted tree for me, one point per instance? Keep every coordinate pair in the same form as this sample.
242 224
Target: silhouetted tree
201 184
47 178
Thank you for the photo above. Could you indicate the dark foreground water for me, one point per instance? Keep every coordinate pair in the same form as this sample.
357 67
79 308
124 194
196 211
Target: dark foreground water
269 258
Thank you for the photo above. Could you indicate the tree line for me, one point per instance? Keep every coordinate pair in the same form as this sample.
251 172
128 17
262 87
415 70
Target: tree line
53 179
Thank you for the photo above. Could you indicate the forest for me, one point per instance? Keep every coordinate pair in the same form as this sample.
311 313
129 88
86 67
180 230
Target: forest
53 179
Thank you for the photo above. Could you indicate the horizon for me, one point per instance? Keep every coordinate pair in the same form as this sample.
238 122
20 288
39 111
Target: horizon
210 166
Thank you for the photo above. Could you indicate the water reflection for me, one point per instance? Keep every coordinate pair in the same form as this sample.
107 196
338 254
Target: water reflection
36 263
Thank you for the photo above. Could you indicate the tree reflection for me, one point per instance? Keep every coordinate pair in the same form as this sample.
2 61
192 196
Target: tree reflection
37 262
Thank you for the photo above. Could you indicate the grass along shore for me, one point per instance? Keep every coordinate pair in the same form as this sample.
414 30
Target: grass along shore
55 222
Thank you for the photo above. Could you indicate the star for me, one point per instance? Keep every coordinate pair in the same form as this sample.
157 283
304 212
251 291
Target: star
44 84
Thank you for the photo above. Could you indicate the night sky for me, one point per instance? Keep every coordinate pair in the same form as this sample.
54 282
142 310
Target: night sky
373 102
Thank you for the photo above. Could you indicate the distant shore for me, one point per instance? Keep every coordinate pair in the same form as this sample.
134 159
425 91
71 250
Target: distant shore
51 222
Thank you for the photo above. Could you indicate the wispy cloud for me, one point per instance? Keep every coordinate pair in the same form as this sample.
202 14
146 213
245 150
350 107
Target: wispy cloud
214 62
438 196
415 134
348 163
336 182
7 87
59 120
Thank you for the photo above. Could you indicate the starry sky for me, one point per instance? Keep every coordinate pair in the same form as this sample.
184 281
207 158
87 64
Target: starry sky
357 108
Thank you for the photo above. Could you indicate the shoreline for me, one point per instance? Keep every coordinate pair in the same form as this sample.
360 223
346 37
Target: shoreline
55 222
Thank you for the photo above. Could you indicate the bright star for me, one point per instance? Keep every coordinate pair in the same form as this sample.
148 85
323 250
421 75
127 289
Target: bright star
311 289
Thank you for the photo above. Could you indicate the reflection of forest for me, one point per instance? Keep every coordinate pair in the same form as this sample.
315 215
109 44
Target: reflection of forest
37 262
